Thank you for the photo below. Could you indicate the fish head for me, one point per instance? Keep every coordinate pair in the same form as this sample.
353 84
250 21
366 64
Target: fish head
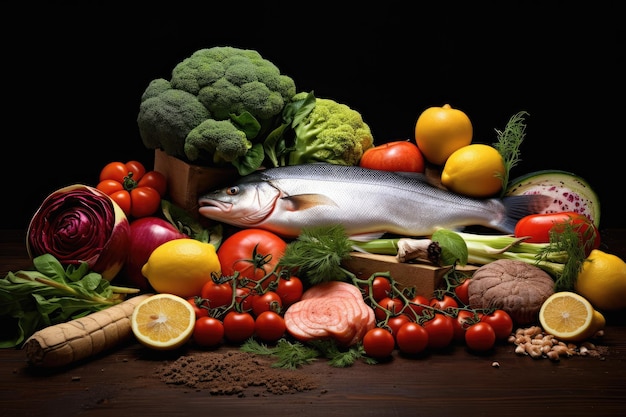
245 204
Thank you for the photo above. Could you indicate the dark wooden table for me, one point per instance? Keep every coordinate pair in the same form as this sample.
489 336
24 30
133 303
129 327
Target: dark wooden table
123 382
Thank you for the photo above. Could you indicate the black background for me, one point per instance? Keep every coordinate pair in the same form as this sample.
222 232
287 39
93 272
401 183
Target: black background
74 73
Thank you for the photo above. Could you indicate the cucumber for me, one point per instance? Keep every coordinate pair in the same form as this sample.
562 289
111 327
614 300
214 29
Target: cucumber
570 192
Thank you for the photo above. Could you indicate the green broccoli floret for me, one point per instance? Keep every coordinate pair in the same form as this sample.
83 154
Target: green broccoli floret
331 132
222 84
216 141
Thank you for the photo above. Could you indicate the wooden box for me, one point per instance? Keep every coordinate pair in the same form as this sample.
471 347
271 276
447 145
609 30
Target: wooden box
186 182
425 278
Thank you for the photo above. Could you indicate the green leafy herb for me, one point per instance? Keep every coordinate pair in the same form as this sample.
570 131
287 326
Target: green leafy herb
51 294
508 144
453 247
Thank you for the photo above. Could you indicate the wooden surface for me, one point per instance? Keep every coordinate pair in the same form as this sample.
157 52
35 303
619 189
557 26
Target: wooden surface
124 382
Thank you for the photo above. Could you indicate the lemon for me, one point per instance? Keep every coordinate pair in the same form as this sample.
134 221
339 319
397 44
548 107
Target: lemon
570 317
439 131
474 170
602 281
163 321
181 266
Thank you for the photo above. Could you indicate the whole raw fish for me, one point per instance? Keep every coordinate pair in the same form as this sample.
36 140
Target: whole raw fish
366 202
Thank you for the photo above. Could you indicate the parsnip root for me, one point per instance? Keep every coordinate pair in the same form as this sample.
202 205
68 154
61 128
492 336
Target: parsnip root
64 343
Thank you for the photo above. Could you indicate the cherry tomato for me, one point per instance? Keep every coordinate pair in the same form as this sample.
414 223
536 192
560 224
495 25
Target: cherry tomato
238 326
440 331
480 337
501 322
252 252
412 338
396 322
379 343
217 293
417 304
244 298
394 305
289 290
137 192
444 302
200 306
268 301
401 155
538 226
461 291
464 319
208 332
381 288
269 326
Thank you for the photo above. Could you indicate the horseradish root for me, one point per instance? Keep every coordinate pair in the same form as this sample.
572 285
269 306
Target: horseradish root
64 343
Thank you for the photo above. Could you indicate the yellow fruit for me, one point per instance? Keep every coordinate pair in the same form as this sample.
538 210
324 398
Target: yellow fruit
181 267
602 281
570 317
474 170
163 321
439 131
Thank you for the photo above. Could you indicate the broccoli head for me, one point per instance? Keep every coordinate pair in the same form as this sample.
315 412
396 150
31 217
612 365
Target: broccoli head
330 132
218 84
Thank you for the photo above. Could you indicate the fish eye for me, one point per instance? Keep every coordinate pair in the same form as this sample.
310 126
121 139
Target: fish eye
232 190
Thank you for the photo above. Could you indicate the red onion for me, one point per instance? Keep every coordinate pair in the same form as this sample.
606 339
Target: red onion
78 224
146 234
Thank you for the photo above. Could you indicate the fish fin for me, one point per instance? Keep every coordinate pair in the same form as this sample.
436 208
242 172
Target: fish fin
306 201
519 206
366 237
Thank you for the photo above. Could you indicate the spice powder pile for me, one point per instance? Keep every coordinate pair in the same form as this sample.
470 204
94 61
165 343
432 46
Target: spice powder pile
232 373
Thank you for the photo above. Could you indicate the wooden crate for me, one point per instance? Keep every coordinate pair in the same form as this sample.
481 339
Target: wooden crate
186 182
425 278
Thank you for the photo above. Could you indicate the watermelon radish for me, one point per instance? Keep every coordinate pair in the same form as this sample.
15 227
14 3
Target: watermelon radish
570 192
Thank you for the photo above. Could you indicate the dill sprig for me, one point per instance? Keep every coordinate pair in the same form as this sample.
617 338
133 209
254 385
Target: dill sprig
508 144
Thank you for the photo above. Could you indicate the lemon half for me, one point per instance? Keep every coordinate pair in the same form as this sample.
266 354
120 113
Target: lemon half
570 317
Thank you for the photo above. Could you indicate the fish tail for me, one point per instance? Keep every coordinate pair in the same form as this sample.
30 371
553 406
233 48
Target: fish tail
519 206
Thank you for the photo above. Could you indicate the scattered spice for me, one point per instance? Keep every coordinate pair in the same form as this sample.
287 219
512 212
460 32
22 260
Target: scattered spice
233 373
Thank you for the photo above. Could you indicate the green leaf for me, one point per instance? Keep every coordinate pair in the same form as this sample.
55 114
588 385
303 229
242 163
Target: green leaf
453 247
251 161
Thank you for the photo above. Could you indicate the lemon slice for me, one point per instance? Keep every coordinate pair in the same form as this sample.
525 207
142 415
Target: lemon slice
163 321
570 317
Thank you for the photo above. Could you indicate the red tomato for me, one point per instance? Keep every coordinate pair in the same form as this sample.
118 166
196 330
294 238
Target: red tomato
238 326
289 290
480 337
378 343
538 226
464 319
417 304
396 322
401 156
269 326
217 294
208 332
381 288
200 306
440 331
444 302
268 301
412 338
253 252
461 291
394 305
501 322
244 298
136 192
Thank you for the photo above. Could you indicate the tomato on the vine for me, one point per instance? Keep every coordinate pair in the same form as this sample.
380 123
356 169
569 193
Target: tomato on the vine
378 343
208 332
200 306
381 288
268 301
443 302
269 326
289 289
462 291
501 322
244 297
137 192
464 319
217 293
400 155
393 304
480 336
418 303
238 326
440 331
254 253
412 338
395 322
